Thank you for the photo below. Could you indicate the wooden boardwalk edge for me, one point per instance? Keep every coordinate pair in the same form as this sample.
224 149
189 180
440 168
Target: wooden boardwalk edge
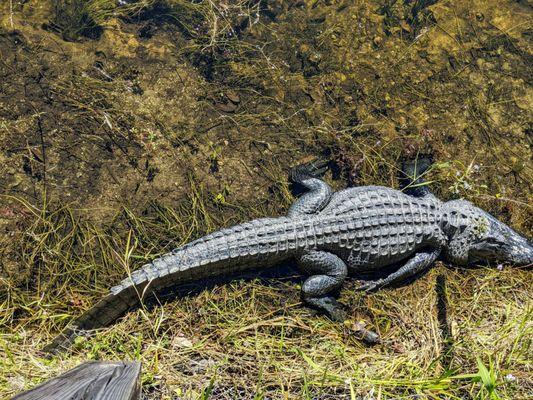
92 380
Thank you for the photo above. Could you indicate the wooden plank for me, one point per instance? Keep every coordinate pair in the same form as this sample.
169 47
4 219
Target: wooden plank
93 380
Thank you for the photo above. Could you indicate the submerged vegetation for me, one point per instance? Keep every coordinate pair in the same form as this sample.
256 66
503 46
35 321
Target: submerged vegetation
128 127
208 21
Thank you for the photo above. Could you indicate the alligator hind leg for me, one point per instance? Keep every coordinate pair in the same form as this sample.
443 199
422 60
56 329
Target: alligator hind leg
318 192
328 273
411 177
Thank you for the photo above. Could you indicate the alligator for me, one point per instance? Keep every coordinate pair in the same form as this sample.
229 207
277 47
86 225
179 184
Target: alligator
330 235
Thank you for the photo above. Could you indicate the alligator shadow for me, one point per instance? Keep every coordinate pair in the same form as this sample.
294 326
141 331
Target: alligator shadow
270 277
447 341
446 337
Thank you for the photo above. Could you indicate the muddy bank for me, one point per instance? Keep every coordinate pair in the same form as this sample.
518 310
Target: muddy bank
129 112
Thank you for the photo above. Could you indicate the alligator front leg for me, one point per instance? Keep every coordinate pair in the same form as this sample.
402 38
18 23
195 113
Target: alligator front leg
328 273
318 192
418 263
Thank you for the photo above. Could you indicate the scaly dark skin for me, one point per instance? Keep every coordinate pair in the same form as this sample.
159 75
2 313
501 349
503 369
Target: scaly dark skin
330 235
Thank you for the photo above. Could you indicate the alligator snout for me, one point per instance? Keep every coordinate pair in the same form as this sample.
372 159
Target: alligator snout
500 243
520 251
514 248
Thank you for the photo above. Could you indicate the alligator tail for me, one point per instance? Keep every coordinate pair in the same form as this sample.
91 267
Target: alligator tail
258 243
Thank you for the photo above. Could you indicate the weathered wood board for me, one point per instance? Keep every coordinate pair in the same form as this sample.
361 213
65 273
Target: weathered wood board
93 380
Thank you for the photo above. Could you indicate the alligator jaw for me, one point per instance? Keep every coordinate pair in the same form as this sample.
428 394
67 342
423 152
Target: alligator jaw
520 251
503 244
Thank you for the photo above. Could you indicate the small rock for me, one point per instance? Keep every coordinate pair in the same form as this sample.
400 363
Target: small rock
233 96
510 378
181 341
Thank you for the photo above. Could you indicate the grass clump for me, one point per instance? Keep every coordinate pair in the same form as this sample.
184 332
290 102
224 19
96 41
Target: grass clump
75 19
211 23
78 18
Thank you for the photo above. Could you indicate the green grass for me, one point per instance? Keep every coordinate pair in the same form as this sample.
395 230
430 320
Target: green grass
255 336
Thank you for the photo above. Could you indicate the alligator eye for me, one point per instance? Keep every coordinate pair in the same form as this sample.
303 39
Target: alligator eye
491 240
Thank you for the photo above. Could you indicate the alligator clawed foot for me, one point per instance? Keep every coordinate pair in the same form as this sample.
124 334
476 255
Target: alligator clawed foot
316 168
370 286
365 335
337 314
329 306
334 309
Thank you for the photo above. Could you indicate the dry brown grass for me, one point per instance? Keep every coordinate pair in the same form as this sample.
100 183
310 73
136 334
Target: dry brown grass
253 339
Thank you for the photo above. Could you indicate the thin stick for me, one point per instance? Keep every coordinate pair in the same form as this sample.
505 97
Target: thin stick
11 13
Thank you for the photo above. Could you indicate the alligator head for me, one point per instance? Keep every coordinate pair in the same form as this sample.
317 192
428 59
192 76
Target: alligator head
475 236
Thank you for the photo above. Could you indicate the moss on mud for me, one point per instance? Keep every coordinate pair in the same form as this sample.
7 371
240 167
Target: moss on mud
129 127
